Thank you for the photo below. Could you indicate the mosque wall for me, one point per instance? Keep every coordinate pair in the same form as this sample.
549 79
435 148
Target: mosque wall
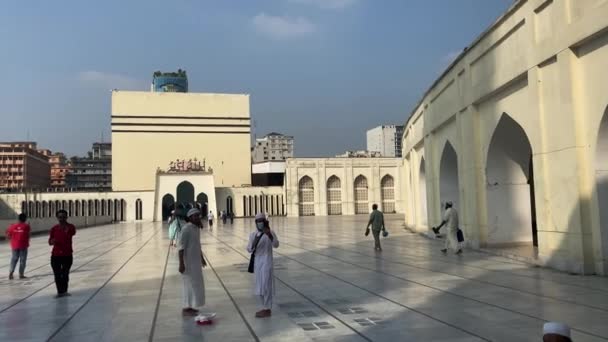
150 130
84 208
343 186
513 133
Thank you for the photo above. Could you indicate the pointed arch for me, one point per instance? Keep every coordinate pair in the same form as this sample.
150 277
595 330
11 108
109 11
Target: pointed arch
510 185
306 196
185 193
387 193
448 176
334 196
422 207
361 195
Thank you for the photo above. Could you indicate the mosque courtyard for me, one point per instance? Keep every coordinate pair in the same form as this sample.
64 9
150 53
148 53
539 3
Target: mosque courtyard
331 286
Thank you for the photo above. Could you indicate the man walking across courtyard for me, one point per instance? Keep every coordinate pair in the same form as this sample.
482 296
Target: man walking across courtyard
19 234
60 238
450 219
376 221
191 263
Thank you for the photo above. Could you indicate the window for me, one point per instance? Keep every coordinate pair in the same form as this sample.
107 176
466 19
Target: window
361 195
306 196
334 196
387 191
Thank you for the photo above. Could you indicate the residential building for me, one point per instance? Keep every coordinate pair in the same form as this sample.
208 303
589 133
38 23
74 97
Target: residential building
273 146
386 140
93 172
60 167
22 166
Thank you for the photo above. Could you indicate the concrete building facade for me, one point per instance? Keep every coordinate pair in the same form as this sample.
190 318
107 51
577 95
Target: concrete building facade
342 186
93 172
152 129
273 146
23 166
515 132
60 168
385 140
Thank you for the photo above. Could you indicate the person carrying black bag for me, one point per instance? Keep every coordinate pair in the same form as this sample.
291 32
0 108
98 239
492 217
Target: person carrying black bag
454 235
261 243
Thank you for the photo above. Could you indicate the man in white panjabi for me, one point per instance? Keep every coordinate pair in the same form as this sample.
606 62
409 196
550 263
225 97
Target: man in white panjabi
191 263
261 242
450 219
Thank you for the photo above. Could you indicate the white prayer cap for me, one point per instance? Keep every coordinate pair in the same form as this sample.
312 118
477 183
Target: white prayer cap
556 328
193 211
260 216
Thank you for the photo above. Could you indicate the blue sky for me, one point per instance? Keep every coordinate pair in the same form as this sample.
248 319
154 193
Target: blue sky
322 70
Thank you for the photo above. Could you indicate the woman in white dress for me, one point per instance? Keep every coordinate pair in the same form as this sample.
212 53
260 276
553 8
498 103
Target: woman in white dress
261 242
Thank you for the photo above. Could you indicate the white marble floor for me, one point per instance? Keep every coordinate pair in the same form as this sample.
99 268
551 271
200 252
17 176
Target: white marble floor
331 286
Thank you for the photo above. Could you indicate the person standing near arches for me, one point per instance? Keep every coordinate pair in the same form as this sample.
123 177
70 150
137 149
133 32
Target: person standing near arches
60 238
191 263
210 219
261 243
376 221
450 219
19 234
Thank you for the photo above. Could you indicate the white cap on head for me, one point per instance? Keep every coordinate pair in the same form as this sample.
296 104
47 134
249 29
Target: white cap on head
556 328
260 216
193 211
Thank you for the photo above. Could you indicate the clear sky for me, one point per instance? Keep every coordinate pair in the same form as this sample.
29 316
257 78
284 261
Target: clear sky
322 70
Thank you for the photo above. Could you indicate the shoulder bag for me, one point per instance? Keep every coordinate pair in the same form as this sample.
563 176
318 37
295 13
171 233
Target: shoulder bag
252 259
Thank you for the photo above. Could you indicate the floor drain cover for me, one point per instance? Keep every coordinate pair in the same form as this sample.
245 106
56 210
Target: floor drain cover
352 311
316 326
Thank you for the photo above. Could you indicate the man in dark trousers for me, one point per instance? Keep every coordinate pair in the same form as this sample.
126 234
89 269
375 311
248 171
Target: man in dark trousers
376 221
60 238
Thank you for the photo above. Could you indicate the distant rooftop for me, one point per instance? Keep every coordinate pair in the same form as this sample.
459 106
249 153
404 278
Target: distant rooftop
170 82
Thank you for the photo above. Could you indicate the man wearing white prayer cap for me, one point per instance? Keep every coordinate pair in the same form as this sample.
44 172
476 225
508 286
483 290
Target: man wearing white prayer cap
261 243
191 262
450 219
556 332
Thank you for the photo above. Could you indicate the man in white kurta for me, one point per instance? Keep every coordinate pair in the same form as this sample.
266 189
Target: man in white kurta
191 263
450 220
262 241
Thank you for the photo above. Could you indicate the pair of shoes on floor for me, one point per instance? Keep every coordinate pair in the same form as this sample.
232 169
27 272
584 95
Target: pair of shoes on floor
21 276
10 276
263 313
459 251
65 294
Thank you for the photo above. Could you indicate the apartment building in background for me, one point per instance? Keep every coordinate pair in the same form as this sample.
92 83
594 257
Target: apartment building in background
93 172
60 167
386 140
23 166
273 146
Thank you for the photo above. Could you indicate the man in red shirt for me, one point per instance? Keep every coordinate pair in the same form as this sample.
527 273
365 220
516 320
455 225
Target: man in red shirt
61 258
19 234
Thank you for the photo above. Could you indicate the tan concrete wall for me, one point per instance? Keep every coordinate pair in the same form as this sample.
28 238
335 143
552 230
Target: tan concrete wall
347 170
10 204
242 195
149 130
544 65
